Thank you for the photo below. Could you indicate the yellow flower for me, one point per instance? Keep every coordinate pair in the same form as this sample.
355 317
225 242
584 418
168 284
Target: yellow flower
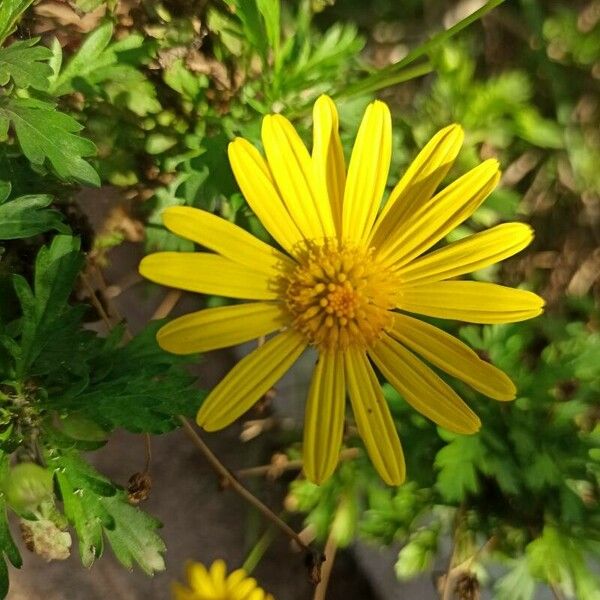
215 584
346 278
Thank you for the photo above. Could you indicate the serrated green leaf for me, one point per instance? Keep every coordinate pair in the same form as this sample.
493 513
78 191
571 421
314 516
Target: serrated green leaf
88 58
96 509
81 502
27 216
10 13
517 584
137 386
458 476
56 268
25 63
47 134
133 538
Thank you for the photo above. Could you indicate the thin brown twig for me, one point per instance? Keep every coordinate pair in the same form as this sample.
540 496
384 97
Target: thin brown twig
104 286
147 452
96 301
232 482
449 569
347 454
465 566
167 305
330 551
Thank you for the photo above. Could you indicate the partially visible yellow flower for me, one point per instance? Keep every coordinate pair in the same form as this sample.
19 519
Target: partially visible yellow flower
348 274
215 584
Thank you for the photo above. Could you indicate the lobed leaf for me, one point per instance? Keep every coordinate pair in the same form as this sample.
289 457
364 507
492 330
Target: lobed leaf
47 134
27 216
24 63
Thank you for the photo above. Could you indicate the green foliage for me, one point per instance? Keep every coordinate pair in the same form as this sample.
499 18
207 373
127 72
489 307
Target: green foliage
46 134
25 63
26 216
56 268
10 13
96 508
65 407
418 554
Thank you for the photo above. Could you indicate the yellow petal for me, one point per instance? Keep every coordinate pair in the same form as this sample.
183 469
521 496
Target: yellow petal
199 578
422 388
208 274
292 169
373 419
220 327
435 218
180 592
235 578
257 185
324 422
452 356
328 157
469 254
367 172
250 379
242 589
224 237
218 573
471 301
419 182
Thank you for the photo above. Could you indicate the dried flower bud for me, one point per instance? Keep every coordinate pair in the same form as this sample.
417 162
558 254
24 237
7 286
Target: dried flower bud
138 490
45 539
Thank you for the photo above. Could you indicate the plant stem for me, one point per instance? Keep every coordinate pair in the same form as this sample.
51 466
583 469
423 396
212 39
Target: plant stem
347 454
232 482
96 301
255 555
330 551
147 452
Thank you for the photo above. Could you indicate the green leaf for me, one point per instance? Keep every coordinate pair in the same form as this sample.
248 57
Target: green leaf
5 189
137 386
105 69
418 555
379 79
88 58
24 62
517 584
247 12
8 548
10 13
97 509
270 11
81 489
458 476
558 559
45 133
133 538
27 216
56 268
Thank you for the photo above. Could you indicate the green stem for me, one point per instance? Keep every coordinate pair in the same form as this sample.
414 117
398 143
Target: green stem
258 551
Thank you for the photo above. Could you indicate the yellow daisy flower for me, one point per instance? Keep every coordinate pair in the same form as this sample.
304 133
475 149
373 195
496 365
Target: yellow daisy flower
343 282
215 584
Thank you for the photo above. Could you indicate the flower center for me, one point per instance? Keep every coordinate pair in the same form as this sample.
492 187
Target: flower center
339 296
